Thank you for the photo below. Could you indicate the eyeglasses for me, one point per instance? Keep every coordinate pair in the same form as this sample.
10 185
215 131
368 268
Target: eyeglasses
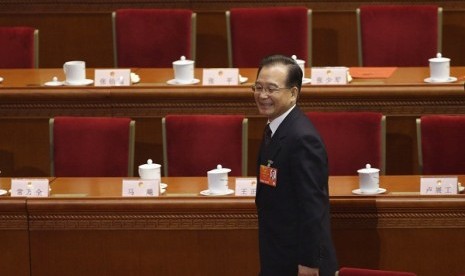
268 90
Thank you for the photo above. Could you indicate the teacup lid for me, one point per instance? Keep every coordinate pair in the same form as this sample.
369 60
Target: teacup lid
149 165
183 61
439 58
294 57
368 169
219 169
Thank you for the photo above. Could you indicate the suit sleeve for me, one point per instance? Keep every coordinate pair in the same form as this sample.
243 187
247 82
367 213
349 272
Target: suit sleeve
309 176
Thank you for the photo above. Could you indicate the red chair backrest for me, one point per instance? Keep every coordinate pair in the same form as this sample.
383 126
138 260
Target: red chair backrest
442 144
352 139
260 32
17 47
91 147
397 35
198 143
152 37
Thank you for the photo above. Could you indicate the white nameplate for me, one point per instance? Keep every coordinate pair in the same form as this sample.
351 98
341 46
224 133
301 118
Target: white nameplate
30 187
438 186
221 76
329 75
112 77
246 186
139 187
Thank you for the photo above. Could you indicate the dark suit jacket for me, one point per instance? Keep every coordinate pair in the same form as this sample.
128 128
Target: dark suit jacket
294 218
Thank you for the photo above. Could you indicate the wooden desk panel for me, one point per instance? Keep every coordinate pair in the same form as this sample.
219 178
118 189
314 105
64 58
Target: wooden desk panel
182 230
179 233
86 228
14 243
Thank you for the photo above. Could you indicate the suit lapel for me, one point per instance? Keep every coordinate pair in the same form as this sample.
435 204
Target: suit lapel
269 153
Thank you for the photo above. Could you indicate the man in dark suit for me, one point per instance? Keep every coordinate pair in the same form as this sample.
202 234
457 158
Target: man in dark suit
292 194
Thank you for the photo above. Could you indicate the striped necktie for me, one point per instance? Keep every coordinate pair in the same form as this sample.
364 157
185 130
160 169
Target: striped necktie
267 135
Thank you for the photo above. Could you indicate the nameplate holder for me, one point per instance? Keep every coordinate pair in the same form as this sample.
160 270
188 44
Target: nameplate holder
329 75
246 186
112 77
438 185
220 76
30 187
139 187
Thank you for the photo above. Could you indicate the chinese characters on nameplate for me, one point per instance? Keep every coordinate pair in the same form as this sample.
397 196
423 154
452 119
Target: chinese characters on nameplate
246 186
139 187
438 185
30 187
112 77
220 76
329 75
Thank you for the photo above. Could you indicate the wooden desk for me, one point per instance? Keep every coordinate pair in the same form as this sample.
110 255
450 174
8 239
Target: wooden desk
26 105
104 234
14 243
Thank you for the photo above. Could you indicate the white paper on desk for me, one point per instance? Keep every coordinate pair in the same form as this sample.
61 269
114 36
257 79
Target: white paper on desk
30 187
438 185
220 76
139 187
112 77
246 186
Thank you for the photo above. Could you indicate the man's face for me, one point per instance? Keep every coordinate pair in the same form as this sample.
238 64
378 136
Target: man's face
273 102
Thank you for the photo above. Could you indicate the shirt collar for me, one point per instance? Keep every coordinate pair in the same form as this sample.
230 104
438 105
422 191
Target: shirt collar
276 122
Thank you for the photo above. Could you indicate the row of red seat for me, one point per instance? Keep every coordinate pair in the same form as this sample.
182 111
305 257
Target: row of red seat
388 36
194 144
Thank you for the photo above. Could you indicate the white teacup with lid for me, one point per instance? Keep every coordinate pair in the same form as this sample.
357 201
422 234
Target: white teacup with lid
439 68
75 71
301 63
183 70
218 180
368 180
150 170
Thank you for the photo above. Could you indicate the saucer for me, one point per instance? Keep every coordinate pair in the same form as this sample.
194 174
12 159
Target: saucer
174 82
53 83
162 191
163 185
358 192
84 82
1 79
3 192
207 193
461 189
243 79
450 79
306 81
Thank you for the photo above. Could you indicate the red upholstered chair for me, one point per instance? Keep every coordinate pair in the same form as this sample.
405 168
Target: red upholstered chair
351 271
352 140
195 144
254 33
153 37
92 146
19 47
441 148
397 35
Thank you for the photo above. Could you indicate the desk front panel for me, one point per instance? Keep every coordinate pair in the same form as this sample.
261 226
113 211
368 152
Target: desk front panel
85 227
14 235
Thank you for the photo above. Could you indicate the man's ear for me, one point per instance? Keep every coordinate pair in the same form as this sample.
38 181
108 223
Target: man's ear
294 92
